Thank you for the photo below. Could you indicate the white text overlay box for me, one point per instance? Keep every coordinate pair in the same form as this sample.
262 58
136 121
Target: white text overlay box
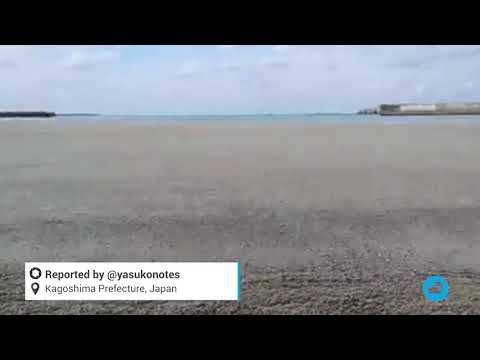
132 281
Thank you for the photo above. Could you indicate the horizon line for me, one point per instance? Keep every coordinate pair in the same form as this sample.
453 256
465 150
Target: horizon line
205 114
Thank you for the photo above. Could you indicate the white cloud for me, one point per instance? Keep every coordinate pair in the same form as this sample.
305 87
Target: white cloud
274 61
226 47
281 48
86 58
119 79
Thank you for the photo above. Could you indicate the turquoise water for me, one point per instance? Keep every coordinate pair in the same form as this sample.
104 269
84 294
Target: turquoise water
265 119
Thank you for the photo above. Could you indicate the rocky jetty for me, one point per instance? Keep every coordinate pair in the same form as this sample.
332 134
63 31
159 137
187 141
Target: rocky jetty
371 111
26 114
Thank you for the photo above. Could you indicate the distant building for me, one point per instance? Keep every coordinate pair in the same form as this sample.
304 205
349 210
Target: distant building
430 109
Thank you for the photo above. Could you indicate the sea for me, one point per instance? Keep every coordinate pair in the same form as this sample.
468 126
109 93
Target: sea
325 118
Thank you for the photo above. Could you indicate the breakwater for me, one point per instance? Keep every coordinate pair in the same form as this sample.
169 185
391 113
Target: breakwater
26 114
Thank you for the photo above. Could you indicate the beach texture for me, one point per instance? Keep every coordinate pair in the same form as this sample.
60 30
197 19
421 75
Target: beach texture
325 219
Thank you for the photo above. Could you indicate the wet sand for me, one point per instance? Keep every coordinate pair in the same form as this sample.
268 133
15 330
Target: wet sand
325 219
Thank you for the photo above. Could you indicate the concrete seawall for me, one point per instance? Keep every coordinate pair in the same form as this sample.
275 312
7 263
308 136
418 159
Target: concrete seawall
429 109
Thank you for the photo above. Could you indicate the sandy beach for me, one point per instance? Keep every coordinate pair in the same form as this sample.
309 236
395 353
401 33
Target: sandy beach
324 218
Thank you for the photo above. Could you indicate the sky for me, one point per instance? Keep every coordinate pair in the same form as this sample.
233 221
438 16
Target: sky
233 79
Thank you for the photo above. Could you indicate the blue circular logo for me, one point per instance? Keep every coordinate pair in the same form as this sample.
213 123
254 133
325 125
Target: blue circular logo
435 288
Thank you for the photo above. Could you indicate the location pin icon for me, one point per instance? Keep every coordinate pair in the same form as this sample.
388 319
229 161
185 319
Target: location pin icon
35 287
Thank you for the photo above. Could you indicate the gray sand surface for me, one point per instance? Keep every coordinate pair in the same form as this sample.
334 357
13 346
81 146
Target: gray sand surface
325 219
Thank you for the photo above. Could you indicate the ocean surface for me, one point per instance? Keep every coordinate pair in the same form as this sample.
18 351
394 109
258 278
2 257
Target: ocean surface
260 119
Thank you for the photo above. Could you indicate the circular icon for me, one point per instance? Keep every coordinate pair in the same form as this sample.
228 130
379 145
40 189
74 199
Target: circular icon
35 273
435 288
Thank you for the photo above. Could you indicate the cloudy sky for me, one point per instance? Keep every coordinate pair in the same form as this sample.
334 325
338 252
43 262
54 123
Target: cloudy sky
220 79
